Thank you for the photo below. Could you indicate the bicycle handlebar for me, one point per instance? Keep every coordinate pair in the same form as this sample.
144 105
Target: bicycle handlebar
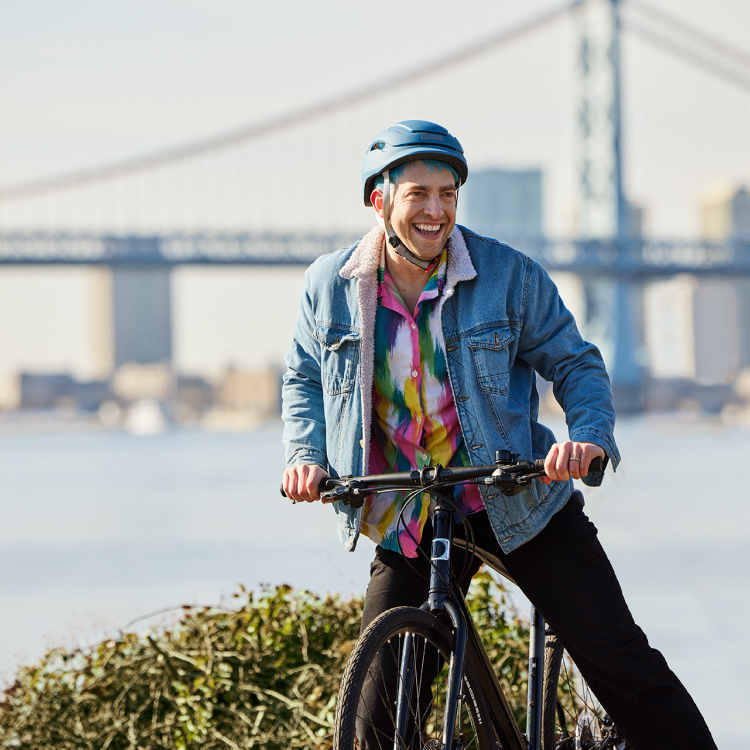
508 473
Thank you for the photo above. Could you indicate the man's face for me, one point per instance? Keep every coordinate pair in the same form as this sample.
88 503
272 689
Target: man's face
423 208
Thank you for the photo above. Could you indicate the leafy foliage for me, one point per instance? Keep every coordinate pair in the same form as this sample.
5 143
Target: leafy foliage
265 676
506 639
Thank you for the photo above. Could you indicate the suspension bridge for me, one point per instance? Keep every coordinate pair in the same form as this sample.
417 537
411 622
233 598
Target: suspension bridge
563 92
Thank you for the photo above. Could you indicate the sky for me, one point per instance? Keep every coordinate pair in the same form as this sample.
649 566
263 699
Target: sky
92 82
86 83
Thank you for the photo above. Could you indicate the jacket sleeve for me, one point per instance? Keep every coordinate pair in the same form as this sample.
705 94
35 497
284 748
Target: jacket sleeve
302 392
555 349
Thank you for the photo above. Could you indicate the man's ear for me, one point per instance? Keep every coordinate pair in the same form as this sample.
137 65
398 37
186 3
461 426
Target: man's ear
376 198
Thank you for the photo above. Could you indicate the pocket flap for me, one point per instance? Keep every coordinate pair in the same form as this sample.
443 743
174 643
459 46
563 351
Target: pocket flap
497 339
332 337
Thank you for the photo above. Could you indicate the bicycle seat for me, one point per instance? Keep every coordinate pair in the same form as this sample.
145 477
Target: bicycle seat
486 557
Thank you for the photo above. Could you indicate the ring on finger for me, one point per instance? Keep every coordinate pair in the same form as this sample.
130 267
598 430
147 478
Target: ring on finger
574 459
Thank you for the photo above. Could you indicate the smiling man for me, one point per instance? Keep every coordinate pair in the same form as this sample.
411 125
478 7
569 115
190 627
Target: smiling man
420 345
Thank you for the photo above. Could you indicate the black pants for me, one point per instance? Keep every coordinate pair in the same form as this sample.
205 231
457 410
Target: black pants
566 575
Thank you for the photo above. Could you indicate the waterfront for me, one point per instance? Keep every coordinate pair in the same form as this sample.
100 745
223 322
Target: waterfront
98 528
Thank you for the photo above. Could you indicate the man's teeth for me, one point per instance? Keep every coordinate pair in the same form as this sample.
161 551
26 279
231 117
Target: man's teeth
428 227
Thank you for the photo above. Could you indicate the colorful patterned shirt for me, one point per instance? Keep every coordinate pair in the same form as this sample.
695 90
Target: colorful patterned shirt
415 423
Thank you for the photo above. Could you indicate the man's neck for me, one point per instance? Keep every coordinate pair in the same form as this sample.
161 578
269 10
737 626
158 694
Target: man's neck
410 279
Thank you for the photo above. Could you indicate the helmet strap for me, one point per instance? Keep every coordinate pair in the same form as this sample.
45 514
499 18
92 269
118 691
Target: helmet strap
394 241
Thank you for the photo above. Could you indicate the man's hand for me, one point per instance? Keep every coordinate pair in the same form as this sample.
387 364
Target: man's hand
301 482
569 461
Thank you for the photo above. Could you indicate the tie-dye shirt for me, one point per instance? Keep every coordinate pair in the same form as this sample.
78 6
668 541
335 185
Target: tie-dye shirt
415 423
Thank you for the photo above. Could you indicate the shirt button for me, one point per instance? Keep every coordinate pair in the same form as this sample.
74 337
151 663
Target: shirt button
424 456
413 326
414 373
419 419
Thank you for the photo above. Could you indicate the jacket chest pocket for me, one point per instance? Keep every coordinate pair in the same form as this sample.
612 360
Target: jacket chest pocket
492 359
339 358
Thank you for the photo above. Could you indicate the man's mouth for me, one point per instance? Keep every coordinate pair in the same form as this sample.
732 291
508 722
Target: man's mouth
428 230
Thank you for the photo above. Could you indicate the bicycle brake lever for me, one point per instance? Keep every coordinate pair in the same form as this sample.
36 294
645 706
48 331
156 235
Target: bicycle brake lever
345 495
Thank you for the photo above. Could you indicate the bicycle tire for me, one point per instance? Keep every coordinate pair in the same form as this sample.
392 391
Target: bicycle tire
572 717
365 713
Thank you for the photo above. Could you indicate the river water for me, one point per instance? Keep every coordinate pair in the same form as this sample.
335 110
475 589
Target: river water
100 528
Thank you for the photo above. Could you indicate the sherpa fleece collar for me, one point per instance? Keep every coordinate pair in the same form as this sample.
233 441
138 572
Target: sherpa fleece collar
364 260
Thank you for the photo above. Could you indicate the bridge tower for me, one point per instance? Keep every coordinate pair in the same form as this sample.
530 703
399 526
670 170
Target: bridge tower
613 308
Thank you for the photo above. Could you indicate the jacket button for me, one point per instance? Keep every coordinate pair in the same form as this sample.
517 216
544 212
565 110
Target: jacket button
362 443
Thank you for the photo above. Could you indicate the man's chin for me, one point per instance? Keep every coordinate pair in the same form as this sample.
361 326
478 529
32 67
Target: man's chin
428 250
424 255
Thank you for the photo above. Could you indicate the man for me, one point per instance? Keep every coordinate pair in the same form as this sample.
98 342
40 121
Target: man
420 345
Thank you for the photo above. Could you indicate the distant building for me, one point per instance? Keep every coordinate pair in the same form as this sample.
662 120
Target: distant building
10 391
692 329
141 315
725 216
60 390
503 203
725 213
698 328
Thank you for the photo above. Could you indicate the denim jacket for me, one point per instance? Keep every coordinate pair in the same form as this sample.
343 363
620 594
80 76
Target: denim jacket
502 320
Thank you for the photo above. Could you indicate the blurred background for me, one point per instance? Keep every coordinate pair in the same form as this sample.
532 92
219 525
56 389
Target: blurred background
168 172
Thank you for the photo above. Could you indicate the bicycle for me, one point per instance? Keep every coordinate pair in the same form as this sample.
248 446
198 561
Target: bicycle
437 686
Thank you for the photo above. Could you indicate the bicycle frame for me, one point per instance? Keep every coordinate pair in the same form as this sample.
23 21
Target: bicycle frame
467 639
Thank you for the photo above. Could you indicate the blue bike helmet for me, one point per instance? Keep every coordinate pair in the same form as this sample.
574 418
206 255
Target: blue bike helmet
408 141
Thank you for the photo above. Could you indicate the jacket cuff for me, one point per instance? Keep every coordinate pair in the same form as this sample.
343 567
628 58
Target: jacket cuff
606 443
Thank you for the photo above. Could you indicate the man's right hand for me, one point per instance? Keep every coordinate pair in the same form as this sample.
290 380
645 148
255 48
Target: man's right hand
301 482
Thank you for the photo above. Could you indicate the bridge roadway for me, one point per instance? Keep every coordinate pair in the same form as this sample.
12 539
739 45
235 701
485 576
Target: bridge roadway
644 258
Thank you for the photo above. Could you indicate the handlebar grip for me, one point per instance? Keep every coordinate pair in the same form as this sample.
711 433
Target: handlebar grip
595 465
324 485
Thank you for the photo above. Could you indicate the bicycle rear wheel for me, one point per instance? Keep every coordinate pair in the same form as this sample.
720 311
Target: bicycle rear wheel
572 717
366 710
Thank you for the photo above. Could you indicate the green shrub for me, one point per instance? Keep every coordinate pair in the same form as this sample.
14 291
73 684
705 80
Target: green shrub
265 676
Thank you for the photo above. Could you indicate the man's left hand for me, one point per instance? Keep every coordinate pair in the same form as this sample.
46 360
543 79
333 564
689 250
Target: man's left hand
569 460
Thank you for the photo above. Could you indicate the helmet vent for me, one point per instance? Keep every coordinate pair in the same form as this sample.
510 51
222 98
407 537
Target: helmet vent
379 145
432 137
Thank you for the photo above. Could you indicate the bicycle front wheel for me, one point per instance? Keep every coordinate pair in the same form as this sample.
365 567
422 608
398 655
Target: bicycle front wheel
366 711
572 717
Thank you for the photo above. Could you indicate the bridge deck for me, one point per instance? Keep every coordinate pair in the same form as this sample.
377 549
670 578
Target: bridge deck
642 258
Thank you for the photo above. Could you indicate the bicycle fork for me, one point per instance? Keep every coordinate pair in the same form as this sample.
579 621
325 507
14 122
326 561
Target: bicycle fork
439 600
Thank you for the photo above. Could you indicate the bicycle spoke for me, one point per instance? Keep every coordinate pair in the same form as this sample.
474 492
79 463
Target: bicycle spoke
422 680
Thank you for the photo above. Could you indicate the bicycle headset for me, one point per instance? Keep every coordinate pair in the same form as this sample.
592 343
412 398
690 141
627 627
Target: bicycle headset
405 141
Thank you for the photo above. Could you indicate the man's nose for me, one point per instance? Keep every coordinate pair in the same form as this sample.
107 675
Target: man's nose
434 208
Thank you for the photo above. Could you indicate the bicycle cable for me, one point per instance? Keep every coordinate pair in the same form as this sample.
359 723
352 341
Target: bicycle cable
470 540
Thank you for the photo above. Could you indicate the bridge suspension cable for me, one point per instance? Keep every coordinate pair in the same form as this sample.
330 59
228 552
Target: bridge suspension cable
285 121
685 48
671 21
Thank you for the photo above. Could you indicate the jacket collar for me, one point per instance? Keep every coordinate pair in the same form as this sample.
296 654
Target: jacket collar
364 260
